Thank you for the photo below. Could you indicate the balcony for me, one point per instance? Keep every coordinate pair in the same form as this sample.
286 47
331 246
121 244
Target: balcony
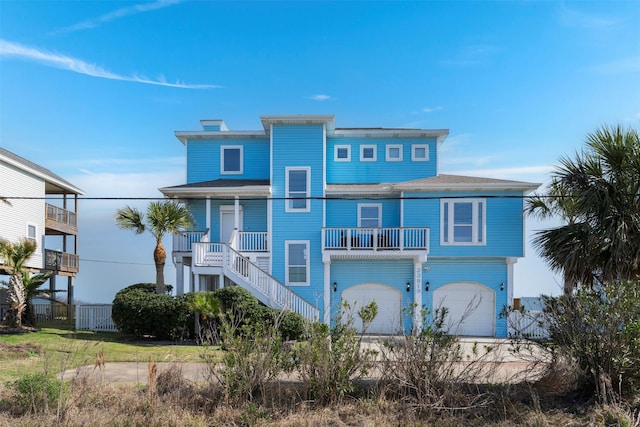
61 221
390 242
61 262
243 241
183 241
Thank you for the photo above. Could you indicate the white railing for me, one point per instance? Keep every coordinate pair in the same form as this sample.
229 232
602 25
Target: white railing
252 241
377 239
251 277
527 324
94 317
183 241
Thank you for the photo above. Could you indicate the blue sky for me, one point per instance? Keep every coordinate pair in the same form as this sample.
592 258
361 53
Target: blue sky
95 90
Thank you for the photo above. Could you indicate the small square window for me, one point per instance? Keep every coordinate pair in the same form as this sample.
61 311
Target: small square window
231 159
342 153
419 153
368 153
394 153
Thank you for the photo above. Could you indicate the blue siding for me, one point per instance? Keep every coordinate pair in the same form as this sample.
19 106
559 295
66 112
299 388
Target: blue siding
356 171
344 212
298 146
198 211
504 233
203 159
254 215
488 272
394 273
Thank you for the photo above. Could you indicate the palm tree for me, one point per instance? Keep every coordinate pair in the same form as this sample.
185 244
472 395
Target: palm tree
598 193
15 256
162 217
32 290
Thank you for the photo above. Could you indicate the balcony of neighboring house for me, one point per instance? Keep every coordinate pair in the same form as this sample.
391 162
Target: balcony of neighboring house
386 242
60 221
61 262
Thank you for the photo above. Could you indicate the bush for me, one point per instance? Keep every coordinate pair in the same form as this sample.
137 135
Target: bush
291 325
139 311
599 330
35 393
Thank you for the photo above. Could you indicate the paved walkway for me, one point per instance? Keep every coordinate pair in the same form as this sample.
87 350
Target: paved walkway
498 362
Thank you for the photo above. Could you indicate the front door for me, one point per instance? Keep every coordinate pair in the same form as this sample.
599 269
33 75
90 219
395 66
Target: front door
227 222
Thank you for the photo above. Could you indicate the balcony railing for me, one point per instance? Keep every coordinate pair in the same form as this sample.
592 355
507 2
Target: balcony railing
61 219
61 261
375 239
252 241
183 241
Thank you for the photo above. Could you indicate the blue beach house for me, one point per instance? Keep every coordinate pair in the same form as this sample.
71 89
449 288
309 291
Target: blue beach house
304 215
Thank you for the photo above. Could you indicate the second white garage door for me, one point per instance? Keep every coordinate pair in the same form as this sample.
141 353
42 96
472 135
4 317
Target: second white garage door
472 308
389 300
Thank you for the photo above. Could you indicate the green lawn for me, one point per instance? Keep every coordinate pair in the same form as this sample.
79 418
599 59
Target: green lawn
56 350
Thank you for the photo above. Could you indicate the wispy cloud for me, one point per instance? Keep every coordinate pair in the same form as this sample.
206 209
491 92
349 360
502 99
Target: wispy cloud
577 19
623 66
117 14
64 62
538 173
320 97
427 110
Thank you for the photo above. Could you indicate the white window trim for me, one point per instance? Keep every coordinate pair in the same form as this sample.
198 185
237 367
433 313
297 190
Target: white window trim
286 262
287 207
369 205
375 153
419 159
26 232
335 153
222 170
389 147
474 223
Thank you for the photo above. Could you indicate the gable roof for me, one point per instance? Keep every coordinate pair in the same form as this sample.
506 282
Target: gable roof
54 184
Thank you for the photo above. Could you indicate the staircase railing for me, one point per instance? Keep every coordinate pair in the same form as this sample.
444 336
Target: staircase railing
251 277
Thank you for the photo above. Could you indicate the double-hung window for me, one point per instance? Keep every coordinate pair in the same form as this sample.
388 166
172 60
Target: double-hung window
32 232
231 159
394 153
369 215
297 262
463 222
368 153
342 153
297 183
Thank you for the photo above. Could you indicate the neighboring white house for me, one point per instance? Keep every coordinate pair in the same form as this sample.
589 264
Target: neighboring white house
40 205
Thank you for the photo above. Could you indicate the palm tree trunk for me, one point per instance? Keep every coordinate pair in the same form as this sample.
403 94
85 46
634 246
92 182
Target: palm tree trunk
17 299
160 256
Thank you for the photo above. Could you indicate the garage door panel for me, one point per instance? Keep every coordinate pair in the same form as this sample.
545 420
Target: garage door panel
471 308
389 301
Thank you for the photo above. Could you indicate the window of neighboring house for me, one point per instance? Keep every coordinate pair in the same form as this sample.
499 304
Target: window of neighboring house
297 189
463 222
32 232
394 153
368 153
342 153
297 262
231 159
369 215
419 152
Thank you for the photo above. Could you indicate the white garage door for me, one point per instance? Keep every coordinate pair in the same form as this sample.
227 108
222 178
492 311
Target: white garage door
471 308
389 300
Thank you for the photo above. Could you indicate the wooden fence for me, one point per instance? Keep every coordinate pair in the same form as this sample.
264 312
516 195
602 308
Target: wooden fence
527 324
84 317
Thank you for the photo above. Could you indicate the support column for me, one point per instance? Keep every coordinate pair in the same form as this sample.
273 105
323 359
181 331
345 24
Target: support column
236 214
326 318
208 217
417 295
179 276
510 263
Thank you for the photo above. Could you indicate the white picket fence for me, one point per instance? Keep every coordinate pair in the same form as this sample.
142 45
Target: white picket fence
527 324
94 317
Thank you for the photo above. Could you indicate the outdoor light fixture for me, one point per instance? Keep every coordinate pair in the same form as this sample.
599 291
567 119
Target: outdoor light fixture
426 286
502 286
335 286
408 286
